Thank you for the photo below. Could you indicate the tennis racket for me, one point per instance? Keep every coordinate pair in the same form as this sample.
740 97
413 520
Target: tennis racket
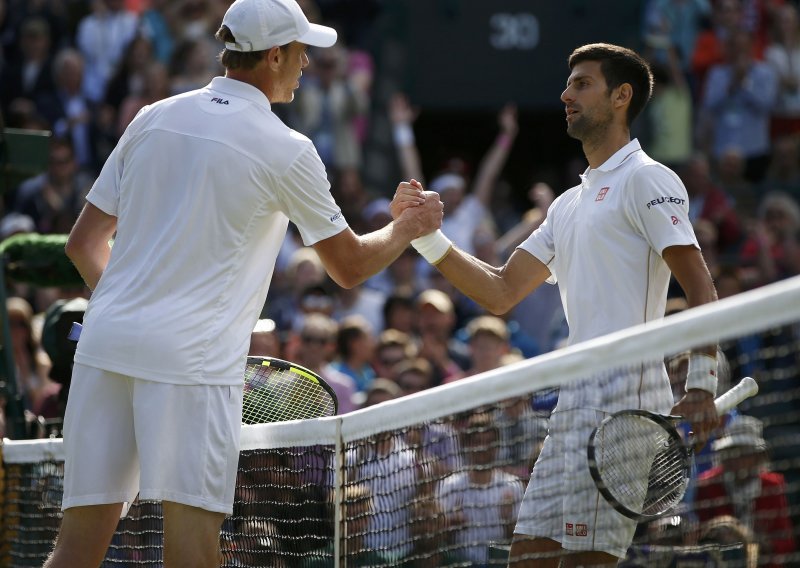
640 463
276 390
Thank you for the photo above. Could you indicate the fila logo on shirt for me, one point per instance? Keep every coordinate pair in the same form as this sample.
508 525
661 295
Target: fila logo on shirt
220 101
601 195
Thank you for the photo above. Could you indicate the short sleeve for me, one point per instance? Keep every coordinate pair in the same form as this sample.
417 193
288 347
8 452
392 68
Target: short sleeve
658 208
305 194
541 243
106 189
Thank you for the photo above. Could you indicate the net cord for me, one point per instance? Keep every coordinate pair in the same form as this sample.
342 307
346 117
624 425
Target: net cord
769 306
32 451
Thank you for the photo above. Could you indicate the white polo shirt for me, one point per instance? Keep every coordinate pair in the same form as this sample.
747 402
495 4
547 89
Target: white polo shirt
483 509
602 241
203 185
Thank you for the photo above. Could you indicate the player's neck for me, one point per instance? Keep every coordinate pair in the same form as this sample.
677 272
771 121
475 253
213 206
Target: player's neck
255 77
600 148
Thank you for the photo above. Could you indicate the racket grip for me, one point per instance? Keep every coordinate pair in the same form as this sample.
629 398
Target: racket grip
75 331
743 390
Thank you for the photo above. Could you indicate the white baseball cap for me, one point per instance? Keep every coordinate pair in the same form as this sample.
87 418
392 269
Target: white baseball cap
261 24
742 432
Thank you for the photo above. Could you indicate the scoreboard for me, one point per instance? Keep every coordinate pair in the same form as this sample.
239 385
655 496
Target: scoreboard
472 54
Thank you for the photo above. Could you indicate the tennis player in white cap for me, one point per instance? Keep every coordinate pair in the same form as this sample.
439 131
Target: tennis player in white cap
199 193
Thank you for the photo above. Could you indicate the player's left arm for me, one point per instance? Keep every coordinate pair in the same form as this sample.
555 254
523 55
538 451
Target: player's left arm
690 270
88 243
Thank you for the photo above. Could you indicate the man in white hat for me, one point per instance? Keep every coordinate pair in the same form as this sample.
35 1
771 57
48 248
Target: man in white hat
741 485
199 193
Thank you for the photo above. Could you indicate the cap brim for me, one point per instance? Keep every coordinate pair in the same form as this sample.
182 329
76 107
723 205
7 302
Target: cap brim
438 306
319 36
737 442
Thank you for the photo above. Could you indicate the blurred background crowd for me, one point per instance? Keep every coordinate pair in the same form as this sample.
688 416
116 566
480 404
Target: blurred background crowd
725 115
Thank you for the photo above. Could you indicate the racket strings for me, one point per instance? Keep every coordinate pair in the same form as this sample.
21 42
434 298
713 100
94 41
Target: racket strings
641 465
273 395
667 479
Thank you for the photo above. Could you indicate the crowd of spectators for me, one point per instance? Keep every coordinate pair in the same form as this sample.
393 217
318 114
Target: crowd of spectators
725 115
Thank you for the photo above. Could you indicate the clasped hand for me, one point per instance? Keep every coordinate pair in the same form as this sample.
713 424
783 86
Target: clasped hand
411 200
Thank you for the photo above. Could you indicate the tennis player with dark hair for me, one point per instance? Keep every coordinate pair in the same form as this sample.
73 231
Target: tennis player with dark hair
199 191
611 243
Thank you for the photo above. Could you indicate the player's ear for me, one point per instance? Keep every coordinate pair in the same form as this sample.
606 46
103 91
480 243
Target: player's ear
274 57
622 95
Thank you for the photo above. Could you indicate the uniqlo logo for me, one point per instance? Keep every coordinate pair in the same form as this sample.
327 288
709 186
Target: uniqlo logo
569 529
581 530
601 195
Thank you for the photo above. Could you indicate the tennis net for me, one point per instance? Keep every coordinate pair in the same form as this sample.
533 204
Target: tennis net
436 478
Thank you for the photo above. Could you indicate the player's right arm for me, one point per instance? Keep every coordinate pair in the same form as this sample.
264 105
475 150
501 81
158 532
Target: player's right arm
350 259
497 289
88 243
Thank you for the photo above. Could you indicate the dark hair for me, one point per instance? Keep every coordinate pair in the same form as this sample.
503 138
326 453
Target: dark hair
619 65
57 142
350 329
478 423
396 300
236 59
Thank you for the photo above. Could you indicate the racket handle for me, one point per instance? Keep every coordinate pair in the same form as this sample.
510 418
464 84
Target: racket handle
746 388
75 331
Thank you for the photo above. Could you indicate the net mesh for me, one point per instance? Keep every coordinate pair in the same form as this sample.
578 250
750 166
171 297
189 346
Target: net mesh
436 478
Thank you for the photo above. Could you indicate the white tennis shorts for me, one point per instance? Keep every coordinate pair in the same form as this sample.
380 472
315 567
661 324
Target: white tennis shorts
124 436
561 502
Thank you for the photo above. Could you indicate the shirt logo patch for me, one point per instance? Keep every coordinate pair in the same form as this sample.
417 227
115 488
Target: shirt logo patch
220 101
601 195
335 217
569 529
581 530
665 199
675 220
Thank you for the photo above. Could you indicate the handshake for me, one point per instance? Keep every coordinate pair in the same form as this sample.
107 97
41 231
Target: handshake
425 210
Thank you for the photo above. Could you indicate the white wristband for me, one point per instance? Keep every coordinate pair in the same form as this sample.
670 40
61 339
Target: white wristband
702 373
433 247
403 134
